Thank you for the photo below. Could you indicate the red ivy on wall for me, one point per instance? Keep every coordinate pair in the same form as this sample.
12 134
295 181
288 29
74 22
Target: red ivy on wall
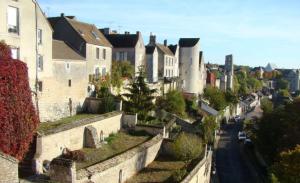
18 118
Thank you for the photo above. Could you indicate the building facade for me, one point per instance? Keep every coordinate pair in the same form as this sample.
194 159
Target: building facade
87 41
229 72
127 47
189 65
152 64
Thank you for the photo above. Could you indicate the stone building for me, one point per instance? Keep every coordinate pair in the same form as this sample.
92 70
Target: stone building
87 41
293 76
167 62
229 72
127 47
191 66
152 64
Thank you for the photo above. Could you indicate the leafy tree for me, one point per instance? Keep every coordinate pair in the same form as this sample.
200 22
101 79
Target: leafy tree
18 118
173 102
287 169
284 93
266 105
187 147
282 84
140 97
215 97
119 71
231 97
208 128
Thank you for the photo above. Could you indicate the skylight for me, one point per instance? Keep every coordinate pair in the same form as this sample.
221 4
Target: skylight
95 35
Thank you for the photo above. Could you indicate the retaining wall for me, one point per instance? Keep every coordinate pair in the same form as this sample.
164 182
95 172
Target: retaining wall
201 172
71 136
114 170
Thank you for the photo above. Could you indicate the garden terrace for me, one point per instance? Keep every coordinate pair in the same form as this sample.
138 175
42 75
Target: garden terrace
71 122
116 144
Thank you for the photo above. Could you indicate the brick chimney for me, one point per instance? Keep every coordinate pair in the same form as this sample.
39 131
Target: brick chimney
62 14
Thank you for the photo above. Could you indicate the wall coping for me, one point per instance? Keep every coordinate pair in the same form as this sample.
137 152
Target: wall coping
196 169
8 157
79 123
114 161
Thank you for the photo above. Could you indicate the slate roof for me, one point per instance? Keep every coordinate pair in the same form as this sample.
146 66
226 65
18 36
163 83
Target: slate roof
86 31
164 49
150 49
62 51
188 42
173 48
123 40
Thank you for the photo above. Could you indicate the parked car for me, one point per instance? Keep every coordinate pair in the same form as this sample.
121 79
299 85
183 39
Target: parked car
237 118
248 143
241 135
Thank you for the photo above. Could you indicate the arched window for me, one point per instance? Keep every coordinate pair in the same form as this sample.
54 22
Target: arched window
101 136
120 176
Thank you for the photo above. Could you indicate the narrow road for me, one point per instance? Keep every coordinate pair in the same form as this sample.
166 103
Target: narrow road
231 164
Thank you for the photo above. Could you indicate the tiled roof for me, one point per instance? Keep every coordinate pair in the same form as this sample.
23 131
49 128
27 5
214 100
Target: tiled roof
164 49
150 49
62 51
188 42
173 48
89 33
123 40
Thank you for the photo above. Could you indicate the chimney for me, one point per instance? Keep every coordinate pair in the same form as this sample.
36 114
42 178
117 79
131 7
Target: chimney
62 15
126 32
166 42
138 32
152 39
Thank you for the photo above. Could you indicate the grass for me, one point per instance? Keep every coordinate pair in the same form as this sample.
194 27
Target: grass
51 125
117 143
160 170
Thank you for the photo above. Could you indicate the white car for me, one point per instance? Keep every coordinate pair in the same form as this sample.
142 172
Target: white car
242 135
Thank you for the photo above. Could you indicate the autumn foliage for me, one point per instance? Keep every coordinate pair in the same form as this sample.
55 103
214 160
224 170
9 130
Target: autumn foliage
18 118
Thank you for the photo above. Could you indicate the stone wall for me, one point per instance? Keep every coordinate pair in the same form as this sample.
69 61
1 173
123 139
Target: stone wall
8 169
129 120
52 143
153 130
93 105
201 173
114 170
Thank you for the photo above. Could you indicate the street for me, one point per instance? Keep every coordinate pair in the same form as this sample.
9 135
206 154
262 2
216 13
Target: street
231 164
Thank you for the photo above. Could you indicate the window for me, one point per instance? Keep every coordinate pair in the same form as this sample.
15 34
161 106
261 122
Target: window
95 35
97 53
103 71
123 56
40 86
97 72
104 54
40 63
70 83
39 36
68 67
15 53
13 19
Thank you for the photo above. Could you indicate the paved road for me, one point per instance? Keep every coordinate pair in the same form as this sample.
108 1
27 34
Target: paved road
231 163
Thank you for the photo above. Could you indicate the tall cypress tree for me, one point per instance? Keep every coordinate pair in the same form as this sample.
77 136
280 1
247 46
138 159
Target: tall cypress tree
140 97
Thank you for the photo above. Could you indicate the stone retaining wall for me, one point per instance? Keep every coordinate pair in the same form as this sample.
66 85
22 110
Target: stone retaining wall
114 170
129 121
71 136
201 172
8 169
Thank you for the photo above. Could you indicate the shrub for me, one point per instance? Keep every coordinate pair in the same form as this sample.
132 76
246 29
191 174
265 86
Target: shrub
187 147
76 155
18 118
178 175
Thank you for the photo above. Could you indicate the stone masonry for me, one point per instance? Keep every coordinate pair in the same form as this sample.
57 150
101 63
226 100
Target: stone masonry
91 139
8 169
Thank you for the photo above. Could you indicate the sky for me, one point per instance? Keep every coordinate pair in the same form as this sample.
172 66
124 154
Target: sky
254 31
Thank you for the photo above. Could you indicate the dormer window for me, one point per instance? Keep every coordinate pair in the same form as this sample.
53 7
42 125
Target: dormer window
95 35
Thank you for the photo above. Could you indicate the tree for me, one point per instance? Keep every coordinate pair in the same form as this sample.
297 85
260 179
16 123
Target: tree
140 97
287 169
173 102
18 118
282 84
266 105
208 128
215 97
119 71
187 147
